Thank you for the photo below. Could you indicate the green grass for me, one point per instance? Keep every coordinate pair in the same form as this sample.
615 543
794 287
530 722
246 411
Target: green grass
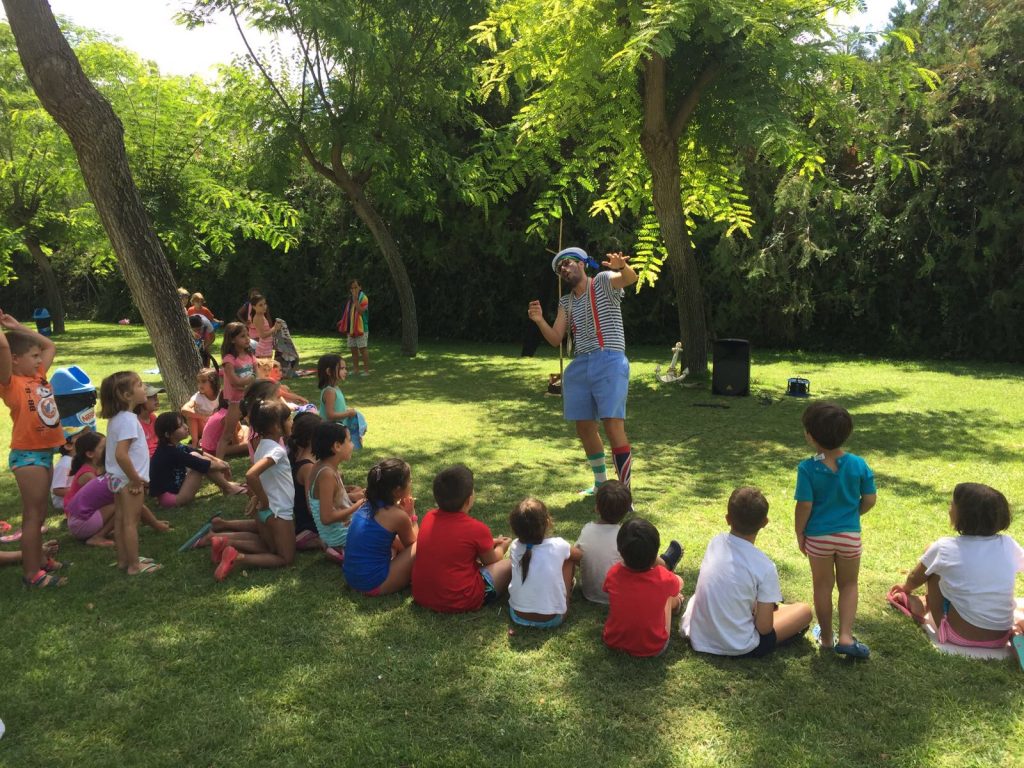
292 668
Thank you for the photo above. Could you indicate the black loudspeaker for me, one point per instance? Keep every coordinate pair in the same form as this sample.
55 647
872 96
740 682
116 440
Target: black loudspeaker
730 374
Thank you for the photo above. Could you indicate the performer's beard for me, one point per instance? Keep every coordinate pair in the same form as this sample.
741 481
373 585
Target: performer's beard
572 277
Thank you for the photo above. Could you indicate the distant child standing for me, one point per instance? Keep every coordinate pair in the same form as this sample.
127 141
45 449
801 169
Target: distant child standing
384 523
542 568
833 490
261 329
642 595
239 371
459 565
273 499
599 540
736 608
329 503
202 405
127 463
355 324
25 357
970 578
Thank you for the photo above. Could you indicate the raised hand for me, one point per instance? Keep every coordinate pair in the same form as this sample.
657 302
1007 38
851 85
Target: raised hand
615 261
534 312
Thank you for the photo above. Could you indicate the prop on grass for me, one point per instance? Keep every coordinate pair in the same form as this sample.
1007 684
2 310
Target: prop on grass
673 374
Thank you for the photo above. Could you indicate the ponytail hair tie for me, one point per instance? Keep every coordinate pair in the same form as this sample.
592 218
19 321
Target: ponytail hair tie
529 547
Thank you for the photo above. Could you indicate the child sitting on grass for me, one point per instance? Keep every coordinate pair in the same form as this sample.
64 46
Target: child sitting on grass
237 443
147 417
329 503
203 404
642 595
542 568
459 565
833 490
62 471
301 459
273 498
176 471
970 578
379 548
89 503
25 357
599 542
735 608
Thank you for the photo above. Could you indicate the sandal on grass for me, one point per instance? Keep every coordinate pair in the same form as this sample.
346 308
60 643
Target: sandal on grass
52 565
42 580
816 634
146 565
217 546
901 602
855 650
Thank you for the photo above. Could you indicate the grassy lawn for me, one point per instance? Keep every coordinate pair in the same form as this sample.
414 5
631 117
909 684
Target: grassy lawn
293 668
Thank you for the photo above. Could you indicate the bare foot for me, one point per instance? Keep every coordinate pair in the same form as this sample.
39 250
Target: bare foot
233 489
163 526
50 547
99 541
217 523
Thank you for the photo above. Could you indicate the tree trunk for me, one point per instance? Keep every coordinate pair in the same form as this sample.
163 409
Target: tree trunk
659 142
98 139
56 305
663 160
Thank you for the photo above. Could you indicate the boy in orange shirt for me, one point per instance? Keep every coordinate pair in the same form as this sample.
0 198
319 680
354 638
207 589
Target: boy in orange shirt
25 357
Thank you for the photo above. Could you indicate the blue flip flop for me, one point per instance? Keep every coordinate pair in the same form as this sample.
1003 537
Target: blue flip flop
1018 646
855 650
191 543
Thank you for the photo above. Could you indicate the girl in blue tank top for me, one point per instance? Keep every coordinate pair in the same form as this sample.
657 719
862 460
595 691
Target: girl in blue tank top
379 549
329 503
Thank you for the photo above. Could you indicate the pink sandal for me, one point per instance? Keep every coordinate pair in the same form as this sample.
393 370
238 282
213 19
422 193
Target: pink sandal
901 602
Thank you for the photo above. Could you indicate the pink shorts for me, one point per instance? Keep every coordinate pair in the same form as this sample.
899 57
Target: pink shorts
948 635
83 528
846 545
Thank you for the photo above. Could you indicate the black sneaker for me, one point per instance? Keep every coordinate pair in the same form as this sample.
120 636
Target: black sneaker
672 555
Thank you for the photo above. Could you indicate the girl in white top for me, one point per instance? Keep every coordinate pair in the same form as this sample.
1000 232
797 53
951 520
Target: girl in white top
542 568
127 465
970 578
270 484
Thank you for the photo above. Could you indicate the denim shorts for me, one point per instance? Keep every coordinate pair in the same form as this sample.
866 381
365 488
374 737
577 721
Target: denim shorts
19 458
595 385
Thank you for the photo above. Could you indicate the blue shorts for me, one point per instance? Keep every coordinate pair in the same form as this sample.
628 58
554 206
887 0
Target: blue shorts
549 624
595 385
19 459
490 593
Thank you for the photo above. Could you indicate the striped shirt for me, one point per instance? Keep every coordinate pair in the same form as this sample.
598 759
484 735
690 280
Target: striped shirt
609 314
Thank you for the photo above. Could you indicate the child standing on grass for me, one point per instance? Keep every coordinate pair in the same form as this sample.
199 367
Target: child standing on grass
177 471
273 499
833 490
261 329
25 357
599 540
355 324
735 609
127 463
329 503
459 565
385 522
542 568
202 405
238 367
970 578
642 594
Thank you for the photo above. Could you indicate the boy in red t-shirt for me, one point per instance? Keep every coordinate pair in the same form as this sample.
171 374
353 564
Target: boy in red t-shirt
25 357
459 566
642 595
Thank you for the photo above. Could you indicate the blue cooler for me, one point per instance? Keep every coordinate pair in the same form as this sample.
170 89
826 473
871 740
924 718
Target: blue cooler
75 396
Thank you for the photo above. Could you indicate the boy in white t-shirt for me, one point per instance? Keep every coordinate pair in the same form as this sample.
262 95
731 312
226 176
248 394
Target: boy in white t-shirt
735 609
613 501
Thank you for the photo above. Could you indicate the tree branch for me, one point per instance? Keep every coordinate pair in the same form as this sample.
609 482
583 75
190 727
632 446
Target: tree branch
686 108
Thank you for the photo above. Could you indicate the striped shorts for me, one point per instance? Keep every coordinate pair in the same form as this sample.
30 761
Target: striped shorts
846 545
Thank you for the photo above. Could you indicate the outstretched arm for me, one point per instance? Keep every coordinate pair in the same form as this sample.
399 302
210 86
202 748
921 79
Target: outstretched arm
552 333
